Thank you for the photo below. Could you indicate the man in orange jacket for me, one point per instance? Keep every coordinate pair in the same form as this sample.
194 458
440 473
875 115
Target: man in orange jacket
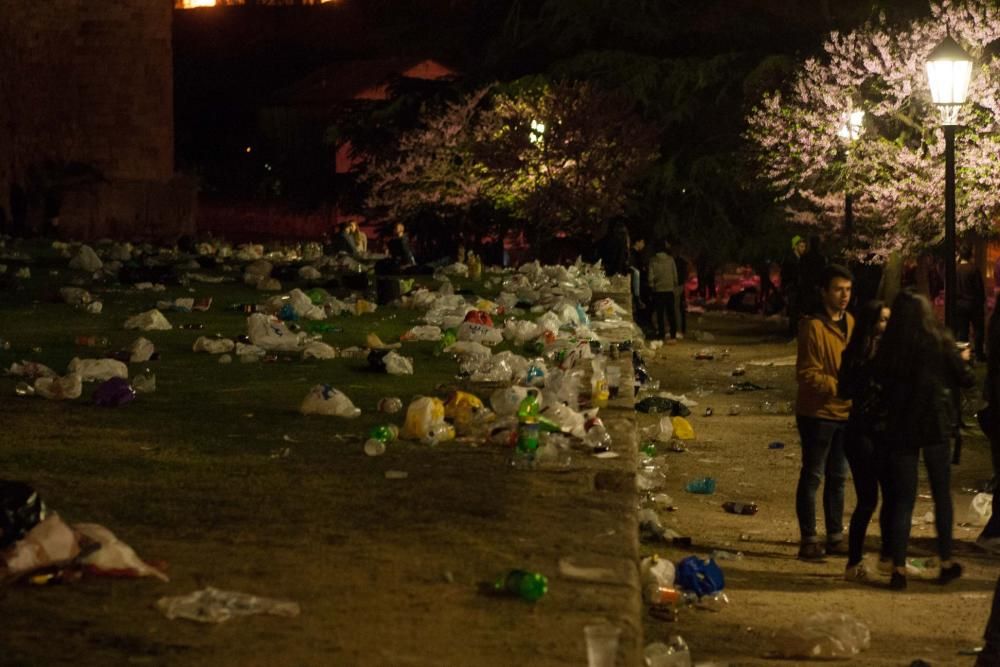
821 416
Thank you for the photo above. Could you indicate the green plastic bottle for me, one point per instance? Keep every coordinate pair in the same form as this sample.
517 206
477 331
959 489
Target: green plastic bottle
527 423
530 586
384 433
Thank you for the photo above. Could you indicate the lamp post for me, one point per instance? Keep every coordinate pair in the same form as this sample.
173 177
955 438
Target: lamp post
949 69
849 132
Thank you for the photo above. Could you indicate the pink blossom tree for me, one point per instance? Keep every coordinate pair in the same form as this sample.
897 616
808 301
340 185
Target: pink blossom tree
894 172
553 157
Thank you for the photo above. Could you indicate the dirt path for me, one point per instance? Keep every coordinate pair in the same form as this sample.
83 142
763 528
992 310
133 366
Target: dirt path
768 586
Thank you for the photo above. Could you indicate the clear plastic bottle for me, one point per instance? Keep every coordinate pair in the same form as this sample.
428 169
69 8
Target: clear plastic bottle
596 436
145 382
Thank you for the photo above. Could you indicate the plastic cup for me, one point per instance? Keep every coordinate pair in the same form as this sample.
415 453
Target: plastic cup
602 645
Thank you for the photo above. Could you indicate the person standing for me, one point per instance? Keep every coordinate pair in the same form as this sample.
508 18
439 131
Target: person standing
615 249
970 302
663 282
921 371
810 272
821 415
680 294
791 283
641 297
989 539
864 439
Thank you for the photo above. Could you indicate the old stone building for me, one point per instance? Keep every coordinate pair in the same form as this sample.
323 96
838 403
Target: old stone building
86 120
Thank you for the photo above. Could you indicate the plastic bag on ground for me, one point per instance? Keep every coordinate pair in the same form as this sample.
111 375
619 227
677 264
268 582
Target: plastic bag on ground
91 370
421 416
141 350
396 364
682 428
30 370
657 571
303 306
607 309
662 431
549 322
319 350
113 393
424 332
213 345
505 400
479 333
257 271
520 331
67 387
51 542
211 605
823 636
272 335
114 557
980 509
75 296
323 399
86 259
150 320
702 577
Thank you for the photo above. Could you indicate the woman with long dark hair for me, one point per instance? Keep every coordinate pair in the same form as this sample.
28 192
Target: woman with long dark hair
864 440
921 371
989 539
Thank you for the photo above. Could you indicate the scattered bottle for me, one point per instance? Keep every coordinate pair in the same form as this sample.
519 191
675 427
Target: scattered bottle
734 507
528 428
530 586
702 485
709 412
648 448
379 437
145 382
596 436
246 307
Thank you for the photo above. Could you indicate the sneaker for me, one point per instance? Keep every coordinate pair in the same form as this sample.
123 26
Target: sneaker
812 551
838 548
950 573
857 573
898 581
991 544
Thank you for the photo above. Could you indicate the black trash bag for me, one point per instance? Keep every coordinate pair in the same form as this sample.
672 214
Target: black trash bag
658 404
376 359
21 509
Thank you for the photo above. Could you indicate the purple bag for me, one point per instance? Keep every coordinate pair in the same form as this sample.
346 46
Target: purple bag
114 392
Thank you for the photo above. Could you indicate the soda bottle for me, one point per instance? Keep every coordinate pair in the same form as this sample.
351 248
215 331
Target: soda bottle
384 433
734 507
703 485
530 586
527 423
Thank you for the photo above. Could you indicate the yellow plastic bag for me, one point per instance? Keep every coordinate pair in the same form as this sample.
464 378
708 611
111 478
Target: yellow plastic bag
422 415
682 428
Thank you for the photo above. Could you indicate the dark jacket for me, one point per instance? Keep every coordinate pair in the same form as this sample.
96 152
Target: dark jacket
969 288
858 382
922 410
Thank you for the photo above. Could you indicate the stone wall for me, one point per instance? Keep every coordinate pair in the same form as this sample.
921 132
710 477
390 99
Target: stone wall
86 105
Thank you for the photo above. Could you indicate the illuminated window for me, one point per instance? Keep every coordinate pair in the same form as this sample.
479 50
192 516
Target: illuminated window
192 4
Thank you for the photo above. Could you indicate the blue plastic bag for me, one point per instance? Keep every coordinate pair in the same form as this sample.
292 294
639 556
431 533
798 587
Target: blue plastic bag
703 577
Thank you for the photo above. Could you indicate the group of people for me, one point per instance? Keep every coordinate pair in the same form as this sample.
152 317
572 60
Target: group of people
873 396
353 241
658 277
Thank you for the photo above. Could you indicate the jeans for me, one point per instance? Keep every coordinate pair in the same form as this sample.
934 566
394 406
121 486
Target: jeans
903 493
823 460
664 304
869 470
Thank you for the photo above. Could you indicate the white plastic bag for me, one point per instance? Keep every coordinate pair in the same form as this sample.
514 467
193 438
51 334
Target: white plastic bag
823 636
520 331
213 345
980 509
93 370
212 605
141 350
396 364
424 332
60 388
115 555
323 399
151 320
319 350
50 542
270 334
505 400
479 333
86 259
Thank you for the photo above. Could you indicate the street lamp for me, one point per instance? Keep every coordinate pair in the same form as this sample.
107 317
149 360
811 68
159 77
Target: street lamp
849 132
949 70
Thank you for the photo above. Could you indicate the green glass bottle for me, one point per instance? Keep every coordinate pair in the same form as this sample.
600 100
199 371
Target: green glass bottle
530 586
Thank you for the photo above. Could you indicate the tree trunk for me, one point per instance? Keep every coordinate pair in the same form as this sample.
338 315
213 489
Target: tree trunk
892 278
